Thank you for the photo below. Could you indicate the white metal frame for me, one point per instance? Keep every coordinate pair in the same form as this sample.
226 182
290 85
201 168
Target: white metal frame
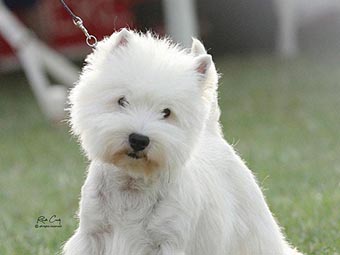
36 60
292 14
181 20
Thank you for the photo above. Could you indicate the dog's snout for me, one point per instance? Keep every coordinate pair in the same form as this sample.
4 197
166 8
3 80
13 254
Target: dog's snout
138 142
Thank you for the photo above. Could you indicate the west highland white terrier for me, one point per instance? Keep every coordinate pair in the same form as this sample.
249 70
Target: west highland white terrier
162 179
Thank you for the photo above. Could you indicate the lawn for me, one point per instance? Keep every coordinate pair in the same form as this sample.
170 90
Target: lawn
282 117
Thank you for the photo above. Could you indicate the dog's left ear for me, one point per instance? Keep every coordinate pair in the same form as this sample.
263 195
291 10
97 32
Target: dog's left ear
203 63
197 48
208 77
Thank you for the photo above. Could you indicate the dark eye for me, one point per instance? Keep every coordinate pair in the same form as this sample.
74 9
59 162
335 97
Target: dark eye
166 113
123 102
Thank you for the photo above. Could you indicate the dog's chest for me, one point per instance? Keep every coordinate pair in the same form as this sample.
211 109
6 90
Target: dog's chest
128 203
129 213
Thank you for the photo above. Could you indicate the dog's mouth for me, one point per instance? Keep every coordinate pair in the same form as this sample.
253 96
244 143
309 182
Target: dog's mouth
136 155
134 161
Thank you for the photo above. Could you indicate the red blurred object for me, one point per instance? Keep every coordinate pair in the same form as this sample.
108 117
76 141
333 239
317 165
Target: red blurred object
100 17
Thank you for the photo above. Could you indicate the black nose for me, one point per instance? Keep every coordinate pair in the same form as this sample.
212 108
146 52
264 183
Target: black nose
138 142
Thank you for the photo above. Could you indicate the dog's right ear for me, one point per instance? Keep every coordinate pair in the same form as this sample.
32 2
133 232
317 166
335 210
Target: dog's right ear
122 38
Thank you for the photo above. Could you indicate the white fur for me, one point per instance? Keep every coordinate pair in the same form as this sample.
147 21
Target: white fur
199 198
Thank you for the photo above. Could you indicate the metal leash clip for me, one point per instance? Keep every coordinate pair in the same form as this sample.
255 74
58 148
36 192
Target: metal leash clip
91 40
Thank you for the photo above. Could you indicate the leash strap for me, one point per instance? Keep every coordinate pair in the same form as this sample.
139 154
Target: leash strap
91 40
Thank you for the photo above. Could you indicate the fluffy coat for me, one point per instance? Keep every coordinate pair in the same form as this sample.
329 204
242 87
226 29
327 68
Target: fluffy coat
188 193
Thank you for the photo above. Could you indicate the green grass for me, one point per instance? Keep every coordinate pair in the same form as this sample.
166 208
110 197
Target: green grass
283 117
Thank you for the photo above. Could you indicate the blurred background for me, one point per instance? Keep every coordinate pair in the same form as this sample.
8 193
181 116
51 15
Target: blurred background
279 95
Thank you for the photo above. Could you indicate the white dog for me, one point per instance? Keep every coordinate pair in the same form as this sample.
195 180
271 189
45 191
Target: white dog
162 179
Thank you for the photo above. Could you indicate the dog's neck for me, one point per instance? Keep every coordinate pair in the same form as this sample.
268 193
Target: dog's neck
130 181
128 197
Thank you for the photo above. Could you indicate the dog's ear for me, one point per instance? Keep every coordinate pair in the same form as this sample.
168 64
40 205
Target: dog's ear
203 63
122 38
197 48
208 76
203 60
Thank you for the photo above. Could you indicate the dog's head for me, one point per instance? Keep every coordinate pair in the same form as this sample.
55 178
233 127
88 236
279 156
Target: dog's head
141 102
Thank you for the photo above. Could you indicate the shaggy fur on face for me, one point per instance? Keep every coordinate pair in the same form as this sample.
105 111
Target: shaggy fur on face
185 191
